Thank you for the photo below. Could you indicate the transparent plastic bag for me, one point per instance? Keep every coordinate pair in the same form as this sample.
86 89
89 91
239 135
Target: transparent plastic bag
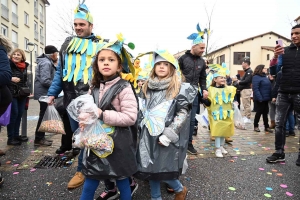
185 165
52 122
94 137
203 118
237 117
83 109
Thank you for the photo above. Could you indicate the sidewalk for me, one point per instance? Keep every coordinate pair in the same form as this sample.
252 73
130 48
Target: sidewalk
242 174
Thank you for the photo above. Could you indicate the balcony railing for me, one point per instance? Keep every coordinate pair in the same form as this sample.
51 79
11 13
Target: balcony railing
42 39
15 19
36 35
41 17
15 45
36 12
4 12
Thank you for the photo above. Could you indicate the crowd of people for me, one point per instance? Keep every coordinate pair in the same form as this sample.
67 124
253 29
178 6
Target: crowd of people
150 121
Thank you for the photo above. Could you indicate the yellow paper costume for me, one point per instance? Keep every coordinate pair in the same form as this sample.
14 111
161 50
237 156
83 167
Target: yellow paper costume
220 112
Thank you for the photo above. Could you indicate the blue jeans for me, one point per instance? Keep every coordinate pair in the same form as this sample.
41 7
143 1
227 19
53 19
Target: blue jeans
17 110
90 186
74 127
290 121
155 188
193 119
219 141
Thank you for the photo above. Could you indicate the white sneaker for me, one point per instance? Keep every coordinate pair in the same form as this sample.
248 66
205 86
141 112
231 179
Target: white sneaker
219 153
249 121
223 150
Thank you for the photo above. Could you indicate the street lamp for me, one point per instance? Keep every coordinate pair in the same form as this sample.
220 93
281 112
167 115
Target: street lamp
30 81
30 78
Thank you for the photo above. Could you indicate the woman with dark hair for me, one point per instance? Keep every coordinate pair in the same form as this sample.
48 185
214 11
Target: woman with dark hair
19 79
261 95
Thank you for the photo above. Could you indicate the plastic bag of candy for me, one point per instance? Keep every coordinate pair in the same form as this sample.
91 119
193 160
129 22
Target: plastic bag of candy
94 137
51 122
83 109
237 118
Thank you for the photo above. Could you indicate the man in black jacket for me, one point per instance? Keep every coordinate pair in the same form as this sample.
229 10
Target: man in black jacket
288 93
193 68
244 85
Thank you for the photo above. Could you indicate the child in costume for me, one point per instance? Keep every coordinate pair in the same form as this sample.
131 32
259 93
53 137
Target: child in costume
117 112
164 126
220 111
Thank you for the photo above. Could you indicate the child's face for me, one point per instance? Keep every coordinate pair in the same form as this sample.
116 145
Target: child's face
220 80
162 69
140 83
108 64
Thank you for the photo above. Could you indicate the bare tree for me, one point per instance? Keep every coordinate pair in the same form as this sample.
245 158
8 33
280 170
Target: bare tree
209 21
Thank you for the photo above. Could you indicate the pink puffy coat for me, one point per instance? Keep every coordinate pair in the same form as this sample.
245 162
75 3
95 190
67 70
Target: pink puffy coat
125 104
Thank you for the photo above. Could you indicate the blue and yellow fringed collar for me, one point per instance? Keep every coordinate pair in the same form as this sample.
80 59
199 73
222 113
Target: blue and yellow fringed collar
79 57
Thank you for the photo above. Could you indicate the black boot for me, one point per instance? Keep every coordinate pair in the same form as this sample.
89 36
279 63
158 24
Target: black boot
298 160
13 142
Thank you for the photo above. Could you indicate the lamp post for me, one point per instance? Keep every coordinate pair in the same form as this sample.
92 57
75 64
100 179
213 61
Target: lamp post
30 81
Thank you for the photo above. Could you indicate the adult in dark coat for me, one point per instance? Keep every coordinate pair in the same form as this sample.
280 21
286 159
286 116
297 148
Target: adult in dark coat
44 74
19 79
262 90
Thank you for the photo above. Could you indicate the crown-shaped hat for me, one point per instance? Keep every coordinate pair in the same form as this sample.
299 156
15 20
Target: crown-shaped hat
215 71
117 46
82 12
198 37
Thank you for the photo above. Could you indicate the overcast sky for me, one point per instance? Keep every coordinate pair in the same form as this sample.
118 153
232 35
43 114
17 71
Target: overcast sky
165 24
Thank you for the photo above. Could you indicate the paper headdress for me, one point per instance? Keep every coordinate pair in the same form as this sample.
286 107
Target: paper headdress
82 12
215 71
197 38
117 46
164 55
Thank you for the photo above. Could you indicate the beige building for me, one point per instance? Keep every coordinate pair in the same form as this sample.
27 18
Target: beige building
24 21
259 48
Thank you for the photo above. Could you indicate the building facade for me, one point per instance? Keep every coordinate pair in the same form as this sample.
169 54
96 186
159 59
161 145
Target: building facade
24 21
297 20
259 48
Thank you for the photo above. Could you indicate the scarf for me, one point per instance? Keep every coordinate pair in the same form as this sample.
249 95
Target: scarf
21 65
156 84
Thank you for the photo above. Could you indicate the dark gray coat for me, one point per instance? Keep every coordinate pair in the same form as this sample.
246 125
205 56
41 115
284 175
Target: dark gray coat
44 74
157 162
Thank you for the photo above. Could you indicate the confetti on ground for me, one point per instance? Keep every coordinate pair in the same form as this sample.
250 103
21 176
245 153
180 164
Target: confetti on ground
201 154
16 165
49 183
25 165
231 160
33 169
269 188
236 149
261 169
252 153
243 159
267 195
8 162
231 188
235 157
283 185
259 145
279 174
289 194
282 163
274 170
15 173
270 173
238 152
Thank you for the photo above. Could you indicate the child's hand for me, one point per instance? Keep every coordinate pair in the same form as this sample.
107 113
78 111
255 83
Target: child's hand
164 140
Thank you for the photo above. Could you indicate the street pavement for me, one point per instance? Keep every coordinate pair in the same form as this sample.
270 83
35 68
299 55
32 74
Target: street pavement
242 174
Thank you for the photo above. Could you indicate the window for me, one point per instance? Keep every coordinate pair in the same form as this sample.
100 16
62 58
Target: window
14 10
36 48
41 50
41 8
4 9
36 8
26 44
4 30
42 34
239 56
221 59
14 39
26 19
268 56
36 32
